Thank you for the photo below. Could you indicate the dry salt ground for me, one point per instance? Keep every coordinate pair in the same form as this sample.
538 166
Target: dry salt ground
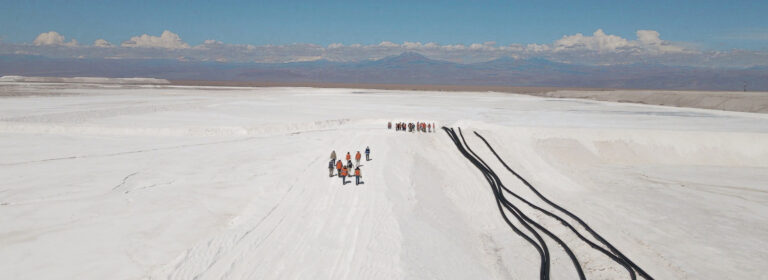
170 182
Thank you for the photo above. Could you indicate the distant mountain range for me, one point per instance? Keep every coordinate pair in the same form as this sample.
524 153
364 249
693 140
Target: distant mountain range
406 68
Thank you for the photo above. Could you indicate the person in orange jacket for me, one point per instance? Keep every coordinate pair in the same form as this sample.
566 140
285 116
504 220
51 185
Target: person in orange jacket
357 157
358 176
339 165
349 157
343 175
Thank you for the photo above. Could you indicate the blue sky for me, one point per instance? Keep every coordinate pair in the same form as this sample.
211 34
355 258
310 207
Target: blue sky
713 25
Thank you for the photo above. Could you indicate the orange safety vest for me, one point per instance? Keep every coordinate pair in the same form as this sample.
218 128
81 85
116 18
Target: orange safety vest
344 172
348 157
357 172
357 156
338 165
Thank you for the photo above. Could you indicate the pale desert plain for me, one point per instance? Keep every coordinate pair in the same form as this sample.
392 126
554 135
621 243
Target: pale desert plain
161 181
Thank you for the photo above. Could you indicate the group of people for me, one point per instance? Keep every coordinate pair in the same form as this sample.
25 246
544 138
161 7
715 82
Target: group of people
349 169
414 127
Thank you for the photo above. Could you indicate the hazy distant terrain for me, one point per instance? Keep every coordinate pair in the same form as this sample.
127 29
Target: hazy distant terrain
755 102
407 68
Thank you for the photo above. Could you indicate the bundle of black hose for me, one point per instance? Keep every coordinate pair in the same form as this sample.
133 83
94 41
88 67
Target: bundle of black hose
544 271
513 209
497 186
618 257
568 225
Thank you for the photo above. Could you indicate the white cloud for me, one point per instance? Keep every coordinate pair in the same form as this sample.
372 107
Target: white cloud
431 45
487 46
512 48
388 44
101 43
53 38
597 48
599 41
456 47
536 48
651 41
411 45
648 41
335 45
167 40
649 37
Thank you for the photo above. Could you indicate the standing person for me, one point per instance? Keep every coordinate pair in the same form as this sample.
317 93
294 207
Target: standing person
358 176
429 127
333 155
338 167
331 165
343 176
357 158
367 154
348 156
389 125
350 167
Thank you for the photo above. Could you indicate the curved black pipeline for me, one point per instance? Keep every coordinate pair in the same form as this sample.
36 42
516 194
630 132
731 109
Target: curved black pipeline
618 257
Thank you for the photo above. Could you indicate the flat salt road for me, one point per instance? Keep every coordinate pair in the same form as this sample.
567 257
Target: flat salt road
172 182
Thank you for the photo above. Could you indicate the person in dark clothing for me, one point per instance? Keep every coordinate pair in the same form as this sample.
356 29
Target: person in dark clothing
331 166
350 167
367 154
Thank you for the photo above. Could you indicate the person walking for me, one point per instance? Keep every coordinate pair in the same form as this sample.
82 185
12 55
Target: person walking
338 167
389 125
331 166
343 176
333 155
348 156
367 154
357 158
358 176
350 167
